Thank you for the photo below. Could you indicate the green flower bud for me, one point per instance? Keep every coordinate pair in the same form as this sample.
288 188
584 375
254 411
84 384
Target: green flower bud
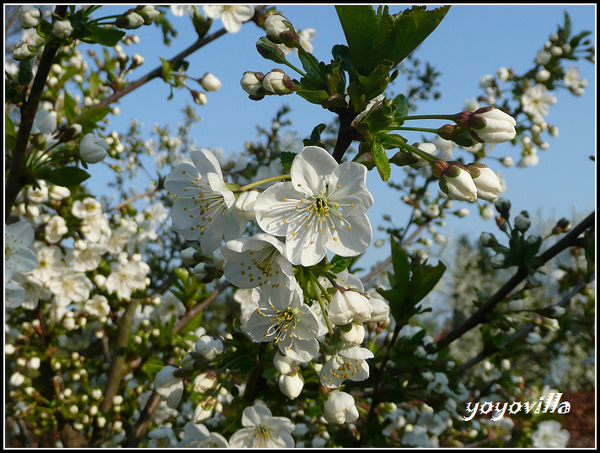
270 51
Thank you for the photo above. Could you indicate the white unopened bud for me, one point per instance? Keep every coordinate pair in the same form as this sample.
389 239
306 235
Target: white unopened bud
29 16
209 82
245 203
291 385
62 29
499 127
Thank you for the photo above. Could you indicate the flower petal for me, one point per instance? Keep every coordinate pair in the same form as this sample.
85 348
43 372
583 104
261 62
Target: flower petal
351 235
311 169
276 206
206 162
351 190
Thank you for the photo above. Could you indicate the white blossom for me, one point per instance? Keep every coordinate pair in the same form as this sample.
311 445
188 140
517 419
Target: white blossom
204 209
340 408
262 430
549 434
18 238
232 16
323 207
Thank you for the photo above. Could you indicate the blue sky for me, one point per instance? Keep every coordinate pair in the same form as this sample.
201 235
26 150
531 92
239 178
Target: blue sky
471 41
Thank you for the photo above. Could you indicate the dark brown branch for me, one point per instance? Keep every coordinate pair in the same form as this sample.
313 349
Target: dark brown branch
14 180
570 239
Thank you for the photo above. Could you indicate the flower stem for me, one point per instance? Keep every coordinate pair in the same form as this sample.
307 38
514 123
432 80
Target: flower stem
318 292
254 184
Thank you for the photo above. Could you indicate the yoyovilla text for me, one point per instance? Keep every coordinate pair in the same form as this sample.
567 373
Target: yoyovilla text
546 403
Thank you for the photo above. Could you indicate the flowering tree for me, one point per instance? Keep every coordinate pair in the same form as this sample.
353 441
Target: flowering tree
244 321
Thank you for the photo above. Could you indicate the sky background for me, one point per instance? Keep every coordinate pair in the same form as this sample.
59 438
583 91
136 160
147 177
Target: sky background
471 41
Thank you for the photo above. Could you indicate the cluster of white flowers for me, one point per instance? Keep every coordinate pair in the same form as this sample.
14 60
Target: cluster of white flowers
319 207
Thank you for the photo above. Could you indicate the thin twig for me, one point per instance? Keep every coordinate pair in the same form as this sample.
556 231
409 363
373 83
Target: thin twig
480 315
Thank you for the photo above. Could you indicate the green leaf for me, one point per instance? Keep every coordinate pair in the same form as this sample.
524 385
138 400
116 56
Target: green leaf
315 137
401 266
312 96
381 160
70 108
64 176
106 36
373 37
339 263
431 276
25 72
401 107
287 158
152 366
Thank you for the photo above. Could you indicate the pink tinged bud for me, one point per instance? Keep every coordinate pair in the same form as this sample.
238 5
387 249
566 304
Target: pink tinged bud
209 82
458 184
499 126
281 31
488 184
278 82
93 149
199 97
251 83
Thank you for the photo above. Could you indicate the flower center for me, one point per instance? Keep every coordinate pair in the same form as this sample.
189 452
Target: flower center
263 436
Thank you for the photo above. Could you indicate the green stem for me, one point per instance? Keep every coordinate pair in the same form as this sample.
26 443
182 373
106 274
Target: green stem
299 71
391 140
252 185
426 117
318 292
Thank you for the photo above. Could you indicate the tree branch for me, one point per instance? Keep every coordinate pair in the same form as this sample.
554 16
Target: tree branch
480 315
14 181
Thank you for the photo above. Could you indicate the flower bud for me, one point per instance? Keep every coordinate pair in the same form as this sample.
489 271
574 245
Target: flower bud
503 207
169 385
24 52
130 20
562 226
251 83
522 223
283 363
93 149
487 183
199 97
498 126
270 51
291 384
209 82
456 182
429 148
148 12
29 16
188 256
498 261
462 137
62 29
352 333
488 239
507 161
278 82
281 31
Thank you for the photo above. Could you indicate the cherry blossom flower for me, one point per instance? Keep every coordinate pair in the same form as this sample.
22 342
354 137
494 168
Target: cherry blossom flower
537 100
257 261
34 290
196 435
204 209
340 408
127 276
550 435
348 363
232 16
285 319
86 208
323 207
18 237
169 386
262 430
